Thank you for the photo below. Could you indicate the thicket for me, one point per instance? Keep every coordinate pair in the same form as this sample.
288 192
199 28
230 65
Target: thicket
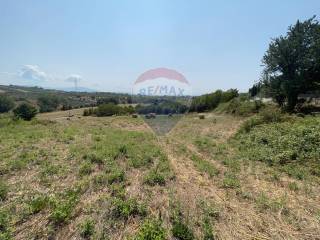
211 101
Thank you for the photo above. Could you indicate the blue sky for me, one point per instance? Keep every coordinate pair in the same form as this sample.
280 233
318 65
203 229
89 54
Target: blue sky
106 45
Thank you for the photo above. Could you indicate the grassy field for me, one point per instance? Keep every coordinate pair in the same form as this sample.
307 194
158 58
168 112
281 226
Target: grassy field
113 178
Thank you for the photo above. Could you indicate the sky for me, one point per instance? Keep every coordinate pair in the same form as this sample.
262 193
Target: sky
107 45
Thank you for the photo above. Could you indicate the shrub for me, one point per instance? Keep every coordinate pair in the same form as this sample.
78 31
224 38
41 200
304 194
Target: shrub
151 230
86 228
271 114
249 124
111 109
48 103
25 111
243 108
4 189
6 104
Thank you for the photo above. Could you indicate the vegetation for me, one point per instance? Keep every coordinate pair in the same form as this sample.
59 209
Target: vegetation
212 100
292 145
109 109
242 169
25 111
292 63
163 107
6 104
151 230
48 103
86 228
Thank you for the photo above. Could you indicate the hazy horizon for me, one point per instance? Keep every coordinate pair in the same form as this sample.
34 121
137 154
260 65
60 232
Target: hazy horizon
105 46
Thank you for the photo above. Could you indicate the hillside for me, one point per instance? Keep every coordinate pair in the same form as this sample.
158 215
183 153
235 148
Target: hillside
113 178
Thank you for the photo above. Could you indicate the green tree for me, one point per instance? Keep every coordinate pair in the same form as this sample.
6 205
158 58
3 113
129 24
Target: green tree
6 104
25 111
48 103
292 63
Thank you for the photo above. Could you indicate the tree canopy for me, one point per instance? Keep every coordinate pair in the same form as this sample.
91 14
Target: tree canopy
292 63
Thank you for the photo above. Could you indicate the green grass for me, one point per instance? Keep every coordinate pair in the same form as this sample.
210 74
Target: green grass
151 229
124 208
204 166
4 189
5 229
87 228
230 180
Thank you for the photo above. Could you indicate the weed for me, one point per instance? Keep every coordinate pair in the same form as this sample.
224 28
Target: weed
118 191
207 230
293 186
86 228
85 168
264 203
116 176
230 180
93 158
181 231
100 180
151 230
5 230
124 208
154 177
62 208
38 203
4 189
204 166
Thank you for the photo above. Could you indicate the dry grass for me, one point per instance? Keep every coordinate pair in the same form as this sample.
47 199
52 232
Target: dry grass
242 200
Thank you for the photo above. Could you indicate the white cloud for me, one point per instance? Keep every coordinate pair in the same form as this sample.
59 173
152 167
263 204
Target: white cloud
33 73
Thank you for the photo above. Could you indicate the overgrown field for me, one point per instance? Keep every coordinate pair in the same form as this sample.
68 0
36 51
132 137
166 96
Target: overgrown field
113 178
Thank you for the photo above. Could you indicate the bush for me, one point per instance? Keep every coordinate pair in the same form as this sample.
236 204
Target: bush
25 111
271 114
151 230
48 103
6 104
86 228
4 189
243 107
